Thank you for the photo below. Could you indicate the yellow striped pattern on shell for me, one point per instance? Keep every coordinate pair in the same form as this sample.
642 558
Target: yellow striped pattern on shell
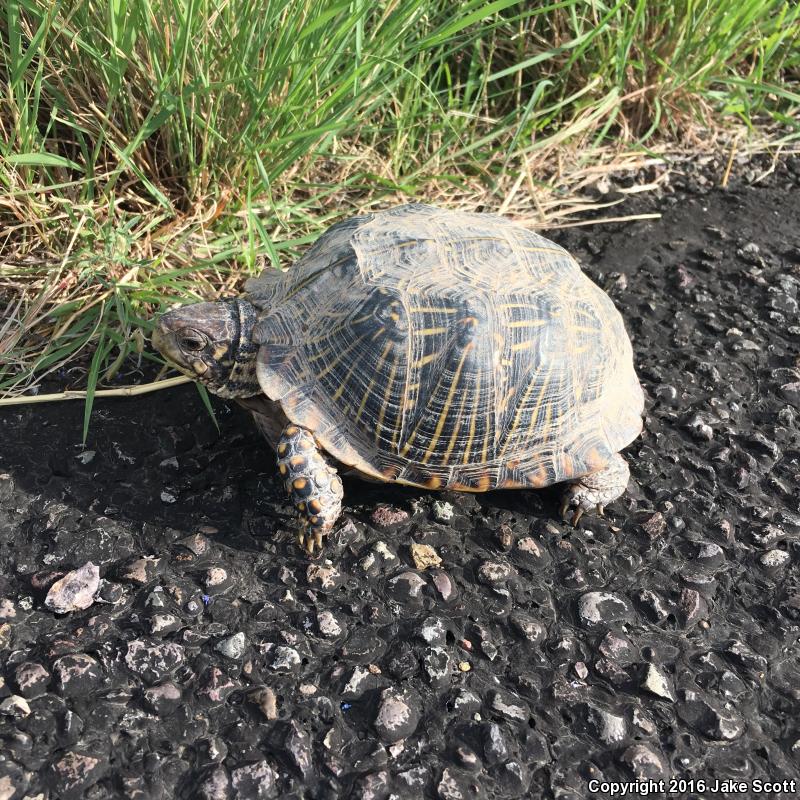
448 349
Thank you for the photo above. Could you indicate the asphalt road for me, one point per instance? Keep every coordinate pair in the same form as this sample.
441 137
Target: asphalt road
216 661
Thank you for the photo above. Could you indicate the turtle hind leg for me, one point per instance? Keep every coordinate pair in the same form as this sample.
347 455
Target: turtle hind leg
312 483
595 491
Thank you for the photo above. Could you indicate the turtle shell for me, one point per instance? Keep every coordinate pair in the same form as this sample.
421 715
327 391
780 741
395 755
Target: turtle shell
448 349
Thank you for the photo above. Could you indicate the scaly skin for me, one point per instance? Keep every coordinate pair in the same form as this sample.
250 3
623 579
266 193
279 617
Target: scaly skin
595 491
312 483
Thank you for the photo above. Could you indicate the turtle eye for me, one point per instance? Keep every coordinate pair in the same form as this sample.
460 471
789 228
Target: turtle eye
192 340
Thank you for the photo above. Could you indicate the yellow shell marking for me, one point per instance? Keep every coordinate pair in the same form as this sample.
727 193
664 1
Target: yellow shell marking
372 380
443 416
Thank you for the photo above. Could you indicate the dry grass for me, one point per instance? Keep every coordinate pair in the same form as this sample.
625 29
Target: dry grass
147 163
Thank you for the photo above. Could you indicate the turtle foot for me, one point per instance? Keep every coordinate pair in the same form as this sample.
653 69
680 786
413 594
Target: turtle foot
595 491
312 484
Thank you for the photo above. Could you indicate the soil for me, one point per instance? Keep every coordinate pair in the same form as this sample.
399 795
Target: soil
214 660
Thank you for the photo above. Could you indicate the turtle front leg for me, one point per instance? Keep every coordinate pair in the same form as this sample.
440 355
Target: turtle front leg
312 483
595 491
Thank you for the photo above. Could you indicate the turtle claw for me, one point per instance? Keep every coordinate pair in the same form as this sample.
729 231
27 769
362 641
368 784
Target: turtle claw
310 541
574 518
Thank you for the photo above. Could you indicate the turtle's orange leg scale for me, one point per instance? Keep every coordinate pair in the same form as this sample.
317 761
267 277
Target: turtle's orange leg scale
312 483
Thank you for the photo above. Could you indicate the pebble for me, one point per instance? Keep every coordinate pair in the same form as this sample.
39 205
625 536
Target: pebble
324 576
444 585
196 543
791 392
143 570
255 781
153 661
618 648
515 778
580 670
384 552
15 706
385 516
692 607
466 701
328 625
745 657
527 626
7 610
285 660
216 785
603 608
74 773
433 630
437 665
298 746
77 675
610 729
700 429
530 551
215 686
492 573
232 646
505 537
109 592
14 781
644 763
359 681
373 786
216 581
496 749
31 678
424 556
654 606
163 624
657 683
711 718
509 706
643 723
398 715
267 702
406 586
442 511
769 536
468 758
75 591
162 699
774 559
452 786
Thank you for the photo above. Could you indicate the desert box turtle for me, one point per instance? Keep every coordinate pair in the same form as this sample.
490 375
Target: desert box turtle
433 348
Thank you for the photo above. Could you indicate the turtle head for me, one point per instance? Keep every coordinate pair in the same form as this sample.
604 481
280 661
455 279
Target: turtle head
212 343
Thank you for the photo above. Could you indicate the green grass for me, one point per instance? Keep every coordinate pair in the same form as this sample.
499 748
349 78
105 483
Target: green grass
157 150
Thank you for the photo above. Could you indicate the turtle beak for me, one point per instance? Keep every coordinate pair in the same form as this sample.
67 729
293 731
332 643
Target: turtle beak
159 338
164 340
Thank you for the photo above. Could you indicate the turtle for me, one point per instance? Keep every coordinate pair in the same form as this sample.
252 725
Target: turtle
434 348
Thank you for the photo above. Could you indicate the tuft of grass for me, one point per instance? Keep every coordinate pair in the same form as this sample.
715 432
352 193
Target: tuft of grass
158 151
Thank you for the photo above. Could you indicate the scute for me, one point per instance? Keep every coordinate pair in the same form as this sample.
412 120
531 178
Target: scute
442 348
